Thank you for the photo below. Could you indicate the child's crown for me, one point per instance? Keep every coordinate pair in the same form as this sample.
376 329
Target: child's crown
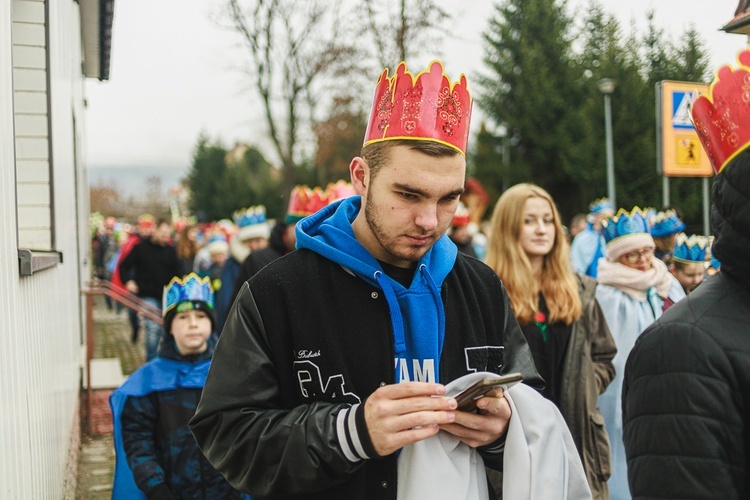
249 216
666 223
690 249
191 287
600 205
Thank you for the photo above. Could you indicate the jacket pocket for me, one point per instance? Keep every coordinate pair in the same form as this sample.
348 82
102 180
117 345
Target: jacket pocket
600 451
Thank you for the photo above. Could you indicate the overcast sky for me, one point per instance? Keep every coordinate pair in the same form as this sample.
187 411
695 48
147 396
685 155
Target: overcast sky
174 72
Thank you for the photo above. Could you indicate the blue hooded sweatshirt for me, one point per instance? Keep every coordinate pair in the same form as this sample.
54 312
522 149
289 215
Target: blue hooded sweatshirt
417 313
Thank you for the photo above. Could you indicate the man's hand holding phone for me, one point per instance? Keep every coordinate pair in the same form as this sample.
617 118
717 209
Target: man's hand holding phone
483 412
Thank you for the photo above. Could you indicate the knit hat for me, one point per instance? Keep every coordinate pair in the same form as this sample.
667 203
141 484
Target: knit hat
191 293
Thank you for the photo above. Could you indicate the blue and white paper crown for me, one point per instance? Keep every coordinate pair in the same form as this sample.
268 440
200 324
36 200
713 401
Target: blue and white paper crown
217 243
666 223
625 223
250 216
690 249
601 205
251 223
191 287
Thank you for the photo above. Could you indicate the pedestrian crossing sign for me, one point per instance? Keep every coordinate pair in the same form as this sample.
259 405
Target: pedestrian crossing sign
679 151
681 102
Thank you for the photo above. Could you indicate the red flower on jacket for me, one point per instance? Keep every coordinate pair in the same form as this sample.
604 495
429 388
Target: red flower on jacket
540 317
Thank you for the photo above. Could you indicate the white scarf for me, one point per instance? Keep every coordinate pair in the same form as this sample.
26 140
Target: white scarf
635 282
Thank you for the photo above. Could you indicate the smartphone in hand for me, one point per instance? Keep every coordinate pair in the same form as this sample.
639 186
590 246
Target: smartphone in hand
467 399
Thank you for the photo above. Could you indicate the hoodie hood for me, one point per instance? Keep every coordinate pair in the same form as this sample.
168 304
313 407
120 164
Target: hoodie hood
417 313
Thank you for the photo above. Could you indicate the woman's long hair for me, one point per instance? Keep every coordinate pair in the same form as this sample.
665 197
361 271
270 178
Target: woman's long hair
185 247
509 260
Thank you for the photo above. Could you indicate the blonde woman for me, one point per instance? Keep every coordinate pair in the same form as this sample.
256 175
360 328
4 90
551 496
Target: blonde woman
559 315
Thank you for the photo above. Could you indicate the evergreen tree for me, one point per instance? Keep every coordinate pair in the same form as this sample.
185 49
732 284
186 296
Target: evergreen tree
208 166
531 89
485 162
221 183
545 90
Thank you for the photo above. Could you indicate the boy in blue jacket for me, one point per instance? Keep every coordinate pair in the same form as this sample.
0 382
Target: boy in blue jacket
157 456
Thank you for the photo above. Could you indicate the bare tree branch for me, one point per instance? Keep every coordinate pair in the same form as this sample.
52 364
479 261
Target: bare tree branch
401 29
293 48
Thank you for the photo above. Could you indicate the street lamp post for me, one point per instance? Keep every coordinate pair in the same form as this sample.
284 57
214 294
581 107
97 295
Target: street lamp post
606 87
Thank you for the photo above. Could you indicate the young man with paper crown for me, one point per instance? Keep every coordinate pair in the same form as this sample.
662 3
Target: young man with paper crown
333 358
686 396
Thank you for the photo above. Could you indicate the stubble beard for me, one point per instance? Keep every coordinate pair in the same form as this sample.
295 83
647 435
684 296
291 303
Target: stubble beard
374 222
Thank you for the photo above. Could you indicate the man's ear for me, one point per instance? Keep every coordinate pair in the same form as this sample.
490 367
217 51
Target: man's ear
360 175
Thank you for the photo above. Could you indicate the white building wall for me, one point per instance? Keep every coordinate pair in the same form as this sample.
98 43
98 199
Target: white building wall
30 71
41 315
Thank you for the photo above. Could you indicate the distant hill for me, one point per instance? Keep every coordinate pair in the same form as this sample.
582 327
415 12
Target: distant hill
132 180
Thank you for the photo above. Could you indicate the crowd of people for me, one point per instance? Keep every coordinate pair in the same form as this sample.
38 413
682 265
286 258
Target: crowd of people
343 322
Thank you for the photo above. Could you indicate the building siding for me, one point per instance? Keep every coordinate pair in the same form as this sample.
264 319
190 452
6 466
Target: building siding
32 137
41 348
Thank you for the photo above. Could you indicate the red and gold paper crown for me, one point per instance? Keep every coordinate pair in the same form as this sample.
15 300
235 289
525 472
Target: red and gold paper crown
340 189
305 201
425 107
722 118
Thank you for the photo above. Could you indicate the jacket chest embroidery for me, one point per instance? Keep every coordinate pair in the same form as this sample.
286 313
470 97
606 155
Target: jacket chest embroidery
312 386
484 358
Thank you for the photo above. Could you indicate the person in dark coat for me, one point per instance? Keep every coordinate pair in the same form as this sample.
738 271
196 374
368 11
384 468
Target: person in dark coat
281 241
150 266
252 236
686 394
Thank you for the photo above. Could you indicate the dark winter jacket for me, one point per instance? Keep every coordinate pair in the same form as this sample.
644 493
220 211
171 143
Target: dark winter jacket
159 447
259 259
282 410
686 395
152 267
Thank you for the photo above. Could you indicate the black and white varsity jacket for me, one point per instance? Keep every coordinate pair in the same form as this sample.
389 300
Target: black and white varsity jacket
306 342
